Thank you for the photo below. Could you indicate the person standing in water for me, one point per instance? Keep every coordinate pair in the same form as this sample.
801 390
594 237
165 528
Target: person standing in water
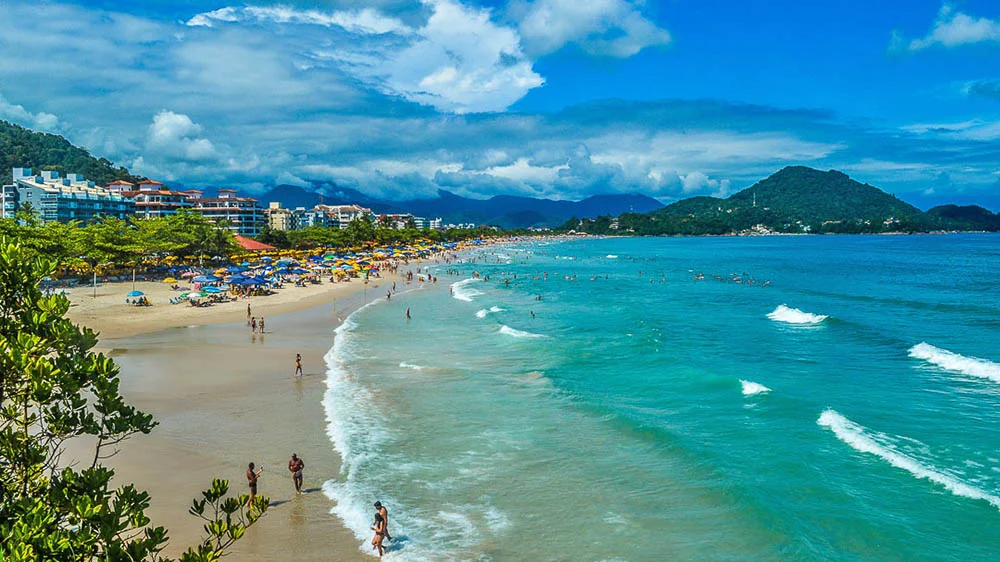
407 313
262 324
381 511
298 365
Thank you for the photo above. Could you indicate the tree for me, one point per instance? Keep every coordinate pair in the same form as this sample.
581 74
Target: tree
54 388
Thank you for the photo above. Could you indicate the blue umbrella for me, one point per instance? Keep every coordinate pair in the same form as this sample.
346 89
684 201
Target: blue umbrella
233 269
265 258
245 264
213 290
201 279
135 294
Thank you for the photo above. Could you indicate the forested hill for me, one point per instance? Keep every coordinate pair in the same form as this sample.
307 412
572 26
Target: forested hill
813 195
24 148
796 199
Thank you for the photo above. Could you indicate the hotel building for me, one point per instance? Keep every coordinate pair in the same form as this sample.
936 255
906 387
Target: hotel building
61 199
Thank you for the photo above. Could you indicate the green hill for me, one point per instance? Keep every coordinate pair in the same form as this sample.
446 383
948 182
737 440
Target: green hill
812 195
966 217
24 148
798 199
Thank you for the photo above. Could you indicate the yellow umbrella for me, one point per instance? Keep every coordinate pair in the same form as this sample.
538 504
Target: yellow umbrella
169 280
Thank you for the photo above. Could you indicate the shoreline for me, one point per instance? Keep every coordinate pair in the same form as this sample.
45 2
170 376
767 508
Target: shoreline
223 397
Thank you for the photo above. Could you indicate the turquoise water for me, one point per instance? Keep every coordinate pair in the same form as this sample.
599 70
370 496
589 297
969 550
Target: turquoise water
643 414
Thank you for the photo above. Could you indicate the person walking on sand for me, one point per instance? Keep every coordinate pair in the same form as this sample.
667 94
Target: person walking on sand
298 365
295 466
252 476
248 313
379 527
381 511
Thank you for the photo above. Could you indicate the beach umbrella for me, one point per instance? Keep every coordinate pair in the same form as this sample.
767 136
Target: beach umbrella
169 280
135 294
233 269
213 290
187 274
266 258
245 264
193 295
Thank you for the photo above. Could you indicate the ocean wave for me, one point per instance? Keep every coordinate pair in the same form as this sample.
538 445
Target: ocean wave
611 256
860 439
954 362
463 292
405 365
750 388
481 313
507 330
795 316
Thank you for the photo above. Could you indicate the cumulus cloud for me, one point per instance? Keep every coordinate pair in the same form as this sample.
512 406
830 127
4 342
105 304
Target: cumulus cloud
174 136
459 60
39 121
951 28
614 28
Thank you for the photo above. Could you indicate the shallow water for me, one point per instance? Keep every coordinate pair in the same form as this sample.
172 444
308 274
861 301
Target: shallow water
847 409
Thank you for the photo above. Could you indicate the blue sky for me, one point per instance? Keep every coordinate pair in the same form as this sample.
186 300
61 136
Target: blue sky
546 98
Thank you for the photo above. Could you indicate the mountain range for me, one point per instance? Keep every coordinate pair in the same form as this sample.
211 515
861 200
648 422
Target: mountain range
506 211
794 199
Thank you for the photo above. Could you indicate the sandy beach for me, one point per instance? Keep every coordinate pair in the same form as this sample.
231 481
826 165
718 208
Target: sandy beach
108 314
224 397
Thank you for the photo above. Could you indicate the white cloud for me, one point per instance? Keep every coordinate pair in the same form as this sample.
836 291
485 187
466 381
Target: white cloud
40 121
953 29
174 136
973 129
602 27
699 182
366 21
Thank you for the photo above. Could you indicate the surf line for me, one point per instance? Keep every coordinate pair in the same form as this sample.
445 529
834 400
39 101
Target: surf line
860 439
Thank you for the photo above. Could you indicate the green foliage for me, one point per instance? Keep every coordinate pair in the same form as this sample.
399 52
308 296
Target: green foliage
795 200
23 148
54 388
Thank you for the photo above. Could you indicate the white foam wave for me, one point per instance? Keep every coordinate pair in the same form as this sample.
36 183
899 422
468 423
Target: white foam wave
750 388
481 313
954 362
611 256
795 316
405 365
507 330
463 292
860 439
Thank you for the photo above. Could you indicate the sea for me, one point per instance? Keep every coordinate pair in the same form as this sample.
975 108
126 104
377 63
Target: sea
630 399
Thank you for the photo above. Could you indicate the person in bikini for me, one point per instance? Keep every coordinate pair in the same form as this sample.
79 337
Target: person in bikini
295 466
298 365
379 527
252 476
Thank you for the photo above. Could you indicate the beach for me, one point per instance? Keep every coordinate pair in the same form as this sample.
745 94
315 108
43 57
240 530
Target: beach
224 397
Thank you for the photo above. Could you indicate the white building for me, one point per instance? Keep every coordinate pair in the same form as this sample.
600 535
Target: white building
61 199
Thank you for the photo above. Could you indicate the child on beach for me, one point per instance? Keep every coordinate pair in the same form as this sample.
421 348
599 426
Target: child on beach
298 365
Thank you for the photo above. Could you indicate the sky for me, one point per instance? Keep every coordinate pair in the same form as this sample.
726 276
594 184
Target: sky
545 98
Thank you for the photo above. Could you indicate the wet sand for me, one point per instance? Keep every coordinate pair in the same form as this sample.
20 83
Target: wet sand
223 398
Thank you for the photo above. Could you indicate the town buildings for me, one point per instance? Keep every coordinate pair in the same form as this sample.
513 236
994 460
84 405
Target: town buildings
53 198
240 215
152 198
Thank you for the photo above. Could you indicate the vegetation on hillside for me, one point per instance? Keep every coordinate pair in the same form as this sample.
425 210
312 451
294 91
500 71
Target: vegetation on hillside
24 148
793 200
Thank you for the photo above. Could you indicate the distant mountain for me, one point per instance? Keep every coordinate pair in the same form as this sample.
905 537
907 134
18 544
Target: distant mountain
24 148
967 217
811 195
502 210
798 199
